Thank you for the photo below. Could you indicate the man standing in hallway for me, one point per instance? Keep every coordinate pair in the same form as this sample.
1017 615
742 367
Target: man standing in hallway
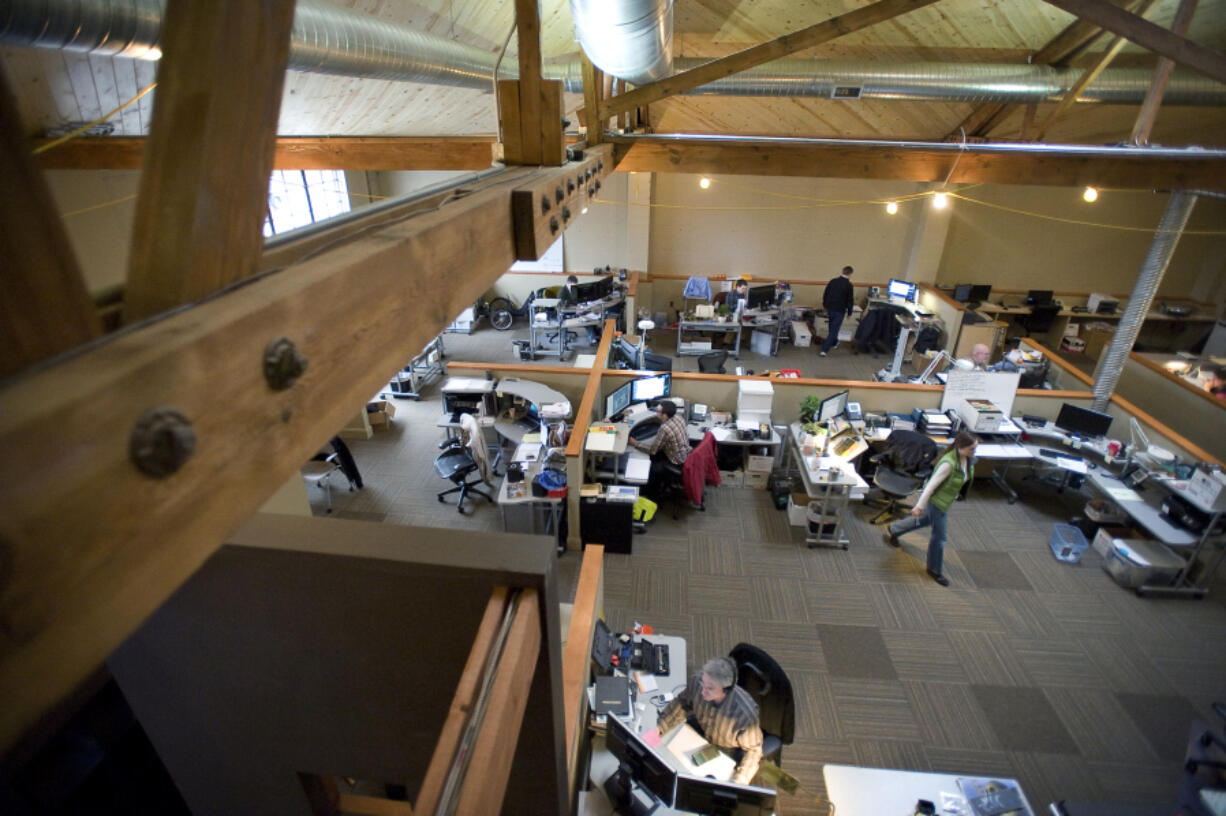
837 300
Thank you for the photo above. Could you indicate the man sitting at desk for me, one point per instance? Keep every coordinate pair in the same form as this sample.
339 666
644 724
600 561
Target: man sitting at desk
671 443
723 712
569 296
739 296
980 354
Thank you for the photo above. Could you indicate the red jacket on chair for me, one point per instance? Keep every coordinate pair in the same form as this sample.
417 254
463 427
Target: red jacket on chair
700 468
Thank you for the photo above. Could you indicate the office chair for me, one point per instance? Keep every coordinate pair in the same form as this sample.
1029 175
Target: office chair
902 467
318 471
656 362
457 464
713 363
1040 318
759 674
671 486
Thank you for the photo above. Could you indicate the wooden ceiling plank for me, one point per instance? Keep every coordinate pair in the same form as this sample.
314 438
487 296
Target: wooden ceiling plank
45 307
1090 74
1147 35
983 164
200 215
296 153
1162 74
777 48
92 545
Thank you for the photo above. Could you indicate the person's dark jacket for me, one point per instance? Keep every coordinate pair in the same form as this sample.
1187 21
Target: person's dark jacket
839 296
567 296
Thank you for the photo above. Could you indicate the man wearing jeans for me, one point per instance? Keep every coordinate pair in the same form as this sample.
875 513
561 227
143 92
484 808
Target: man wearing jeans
837 300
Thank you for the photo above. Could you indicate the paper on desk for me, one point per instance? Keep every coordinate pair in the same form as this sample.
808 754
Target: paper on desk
638 467
646 682
652 737
987 450
683 745
601 441
1123 494
1075 465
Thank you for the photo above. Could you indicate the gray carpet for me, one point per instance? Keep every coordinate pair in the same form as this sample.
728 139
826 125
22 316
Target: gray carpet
1023 667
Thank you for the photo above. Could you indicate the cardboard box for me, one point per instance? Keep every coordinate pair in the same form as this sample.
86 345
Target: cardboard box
761 464
1096 340
798 506
732 478
1106 537
756 480
380 413
801 336
760 342
980 415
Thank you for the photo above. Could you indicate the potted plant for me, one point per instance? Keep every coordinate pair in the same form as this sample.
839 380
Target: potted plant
808 408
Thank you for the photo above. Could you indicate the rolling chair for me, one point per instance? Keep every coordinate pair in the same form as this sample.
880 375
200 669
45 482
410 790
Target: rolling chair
1040 318
766 682
553 337
319 471
712 363
901 470
457 464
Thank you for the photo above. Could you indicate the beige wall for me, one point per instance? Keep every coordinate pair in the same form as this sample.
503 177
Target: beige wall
987 244
771 228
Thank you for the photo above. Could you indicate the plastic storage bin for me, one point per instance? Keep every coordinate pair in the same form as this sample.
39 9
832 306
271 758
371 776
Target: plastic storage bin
1136 563
1067 543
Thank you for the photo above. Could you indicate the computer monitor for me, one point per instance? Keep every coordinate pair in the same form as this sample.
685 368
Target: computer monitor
1039 297
650 388
1082 421
832 406
602 288
980 292
638 760
618 400
625 354
760 297
711 797
962 292
901 289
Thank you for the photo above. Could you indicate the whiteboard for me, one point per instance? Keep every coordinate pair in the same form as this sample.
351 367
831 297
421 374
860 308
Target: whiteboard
998 387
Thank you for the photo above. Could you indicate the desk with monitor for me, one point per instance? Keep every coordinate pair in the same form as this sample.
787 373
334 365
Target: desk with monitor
854 791
524 406
549 316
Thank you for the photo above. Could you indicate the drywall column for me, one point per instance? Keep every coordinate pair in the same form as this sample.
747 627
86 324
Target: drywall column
926 236
1178 209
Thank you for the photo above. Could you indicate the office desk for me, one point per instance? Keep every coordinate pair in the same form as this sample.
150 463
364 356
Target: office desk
706 327
833 495
857 791
1002 445
526 513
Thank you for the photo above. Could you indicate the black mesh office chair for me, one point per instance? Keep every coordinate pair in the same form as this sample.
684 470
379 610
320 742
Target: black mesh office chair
1040 318
712 363
902 467
759 674
457 464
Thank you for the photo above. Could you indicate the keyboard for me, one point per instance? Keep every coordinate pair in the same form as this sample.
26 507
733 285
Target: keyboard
1057 454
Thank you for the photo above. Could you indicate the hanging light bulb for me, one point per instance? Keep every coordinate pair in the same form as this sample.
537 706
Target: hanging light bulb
704 182
892 207
583 211
1090 194
940 200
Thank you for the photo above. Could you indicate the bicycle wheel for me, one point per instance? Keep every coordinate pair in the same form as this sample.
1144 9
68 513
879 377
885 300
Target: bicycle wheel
501 316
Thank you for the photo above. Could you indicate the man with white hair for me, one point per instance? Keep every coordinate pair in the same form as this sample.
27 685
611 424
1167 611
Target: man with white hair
980 354
723 712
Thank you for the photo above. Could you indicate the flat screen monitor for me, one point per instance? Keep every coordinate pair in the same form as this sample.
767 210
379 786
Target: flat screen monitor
901 289
602 288
962 292
980 292
714 798
585 292
760 297
643 764
1039 297
617 401
1083 421
832 406
650 388
625 354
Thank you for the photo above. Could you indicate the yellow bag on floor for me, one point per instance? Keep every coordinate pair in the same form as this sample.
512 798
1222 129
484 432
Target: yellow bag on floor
644 509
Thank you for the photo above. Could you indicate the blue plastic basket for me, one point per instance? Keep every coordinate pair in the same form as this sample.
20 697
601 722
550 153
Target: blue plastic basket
1067 543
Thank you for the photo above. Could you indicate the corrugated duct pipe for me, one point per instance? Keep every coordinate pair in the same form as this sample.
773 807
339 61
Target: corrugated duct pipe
332 40
1174 219
629 39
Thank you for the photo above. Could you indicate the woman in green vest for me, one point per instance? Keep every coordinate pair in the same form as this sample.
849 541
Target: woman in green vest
954 472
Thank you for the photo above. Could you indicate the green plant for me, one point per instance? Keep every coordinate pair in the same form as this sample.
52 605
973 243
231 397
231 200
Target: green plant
722 309
808 407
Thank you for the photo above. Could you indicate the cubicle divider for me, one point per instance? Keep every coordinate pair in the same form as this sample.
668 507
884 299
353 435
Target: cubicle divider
577 662
576 458
1153 389
947 309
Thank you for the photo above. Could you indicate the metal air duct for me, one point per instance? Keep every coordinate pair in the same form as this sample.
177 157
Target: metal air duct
629 39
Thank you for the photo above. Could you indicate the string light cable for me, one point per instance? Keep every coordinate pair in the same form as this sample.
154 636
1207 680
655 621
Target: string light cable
98 121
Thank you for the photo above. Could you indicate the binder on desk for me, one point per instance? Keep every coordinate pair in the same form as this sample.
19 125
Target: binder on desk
612 695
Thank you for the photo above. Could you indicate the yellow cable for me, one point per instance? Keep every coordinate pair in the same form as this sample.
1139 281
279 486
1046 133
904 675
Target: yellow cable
83 128
1078 223
98 206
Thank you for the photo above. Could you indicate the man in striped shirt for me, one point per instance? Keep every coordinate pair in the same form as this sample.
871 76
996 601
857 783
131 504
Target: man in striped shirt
723 712
671 443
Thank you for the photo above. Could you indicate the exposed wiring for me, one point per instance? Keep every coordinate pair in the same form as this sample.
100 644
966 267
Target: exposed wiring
98 121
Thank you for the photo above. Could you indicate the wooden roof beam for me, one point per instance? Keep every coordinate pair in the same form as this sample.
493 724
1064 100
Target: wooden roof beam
977 163
775 49
1162 74
1147 35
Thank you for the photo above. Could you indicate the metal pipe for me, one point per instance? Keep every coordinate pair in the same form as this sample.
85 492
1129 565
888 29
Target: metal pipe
629 39
1174 219
342 42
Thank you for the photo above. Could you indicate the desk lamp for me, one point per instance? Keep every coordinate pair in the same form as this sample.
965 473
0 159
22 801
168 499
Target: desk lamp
1153 455
645 325
942 354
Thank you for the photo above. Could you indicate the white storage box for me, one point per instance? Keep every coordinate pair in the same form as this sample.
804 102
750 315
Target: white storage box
1136 563
980 415
801 336
760 342
1072 329
1073 344
798 507
1208 490
732 478
1106 537
756 480
761 464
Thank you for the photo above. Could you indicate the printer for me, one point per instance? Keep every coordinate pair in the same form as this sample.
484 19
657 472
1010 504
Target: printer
1102 304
